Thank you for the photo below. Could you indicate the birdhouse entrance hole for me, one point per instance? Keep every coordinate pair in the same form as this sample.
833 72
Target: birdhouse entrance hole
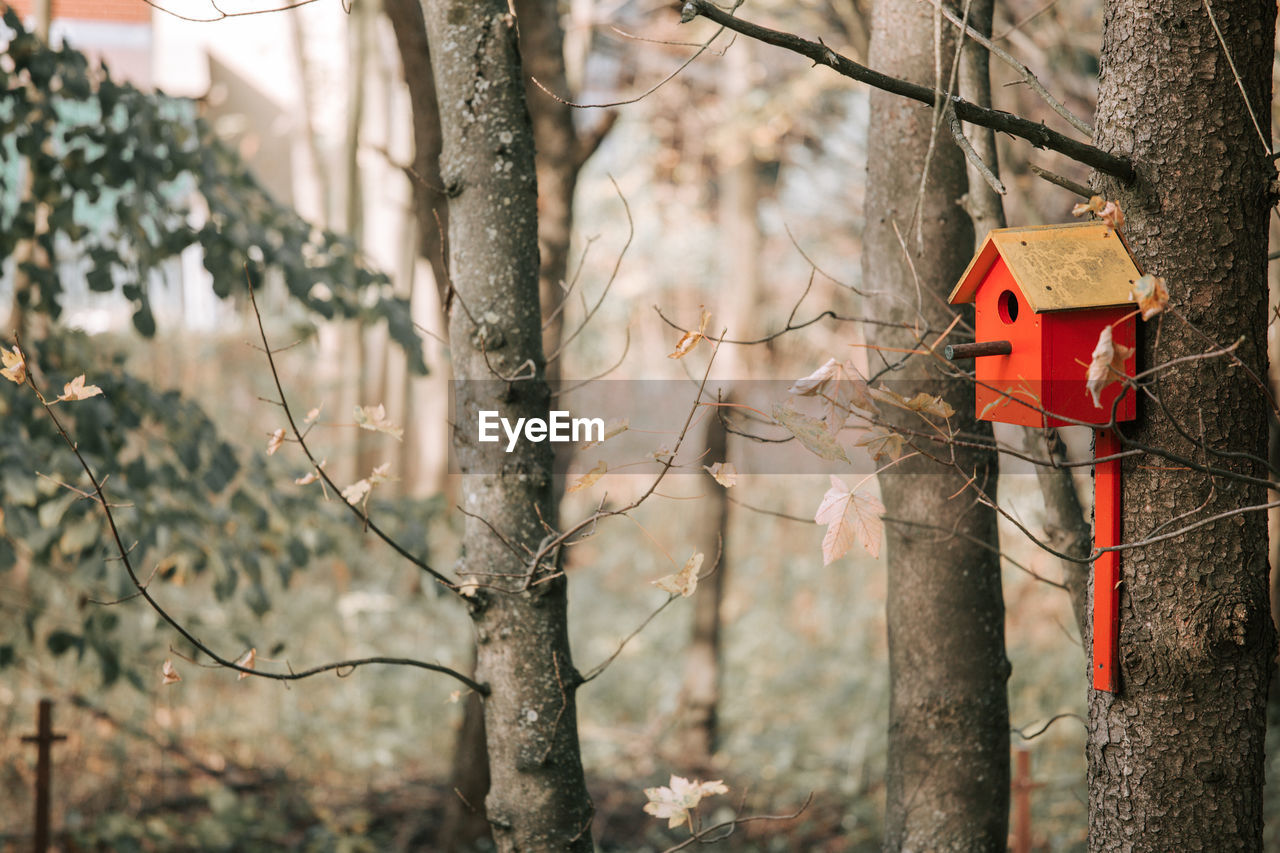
1008 307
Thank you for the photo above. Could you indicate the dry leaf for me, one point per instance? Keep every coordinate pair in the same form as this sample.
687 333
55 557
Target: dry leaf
77 390
469 589
611 429
1107 365
1108 211
673 802
881 442
1112 215
850 517
381 474
925 404
724 473
277 439
357 491
683 582
689 340
841 386
810 432
246 660
1150 294
374 418
589 479
15 366
168 674
313 414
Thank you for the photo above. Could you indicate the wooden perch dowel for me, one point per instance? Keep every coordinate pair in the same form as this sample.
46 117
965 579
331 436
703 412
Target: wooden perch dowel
959 352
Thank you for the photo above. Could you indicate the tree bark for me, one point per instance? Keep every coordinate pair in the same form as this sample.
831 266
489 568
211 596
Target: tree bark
538 798
1176 756
948 773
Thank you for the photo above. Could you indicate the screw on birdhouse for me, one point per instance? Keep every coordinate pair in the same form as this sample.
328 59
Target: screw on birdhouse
957 352
44 738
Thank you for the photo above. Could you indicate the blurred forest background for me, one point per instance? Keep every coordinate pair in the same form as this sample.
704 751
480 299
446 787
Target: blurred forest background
737 186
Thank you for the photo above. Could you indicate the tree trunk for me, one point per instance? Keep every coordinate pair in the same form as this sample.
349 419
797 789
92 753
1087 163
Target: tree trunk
948 774
700 697
1176 756
538 798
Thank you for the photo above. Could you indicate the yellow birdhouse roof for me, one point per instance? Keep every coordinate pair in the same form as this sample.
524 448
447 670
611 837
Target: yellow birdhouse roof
1057 267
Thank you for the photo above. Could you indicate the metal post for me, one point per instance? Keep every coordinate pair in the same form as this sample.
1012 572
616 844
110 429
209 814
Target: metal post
44 738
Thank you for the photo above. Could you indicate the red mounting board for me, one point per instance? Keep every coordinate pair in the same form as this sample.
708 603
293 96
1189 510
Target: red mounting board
1106 569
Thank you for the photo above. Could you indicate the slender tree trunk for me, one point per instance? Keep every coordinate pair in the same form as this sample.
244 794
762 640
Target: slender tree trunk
1176 756
538 798
700 700
948 774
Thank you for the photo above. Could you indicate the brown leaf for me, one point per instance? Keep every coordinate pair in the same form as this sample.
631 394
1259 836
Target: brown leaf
589 479
841 386
1107 365
168 674
925 404
810 432
882 442
248 661
689 340
612 428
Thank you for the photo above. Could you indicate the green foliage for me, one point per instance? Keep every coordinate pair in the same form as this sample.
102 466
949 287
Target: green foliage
188 504
121 174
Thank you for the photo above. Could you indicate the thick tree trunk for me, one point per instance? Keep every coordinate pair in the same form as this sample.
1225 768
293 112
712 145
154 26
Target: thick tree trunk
1176 756
948 774
538 798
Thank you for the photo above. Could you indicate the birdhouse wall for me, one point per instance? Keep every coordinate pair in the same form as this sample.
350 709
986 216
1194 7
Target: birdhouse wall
1008 386
1070 338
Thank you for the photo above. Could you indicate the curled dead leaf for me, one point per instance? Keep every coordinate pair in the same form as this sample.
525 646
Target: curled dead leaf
169 675
276 440
1151 295
1106 365
611 428
690 339
248 660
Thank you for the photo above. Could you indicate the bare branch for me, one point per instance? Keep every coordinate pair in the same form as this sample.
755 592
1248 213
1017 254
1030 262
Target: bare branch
1034 132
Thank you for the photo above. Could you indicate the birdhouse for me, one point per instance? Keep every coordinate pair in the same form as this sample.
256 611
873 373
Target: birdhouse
1041 298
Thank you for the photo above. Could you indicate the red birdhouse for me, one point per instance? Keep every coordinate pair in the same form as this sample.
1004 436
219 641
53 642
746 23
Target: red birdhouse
1041 297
